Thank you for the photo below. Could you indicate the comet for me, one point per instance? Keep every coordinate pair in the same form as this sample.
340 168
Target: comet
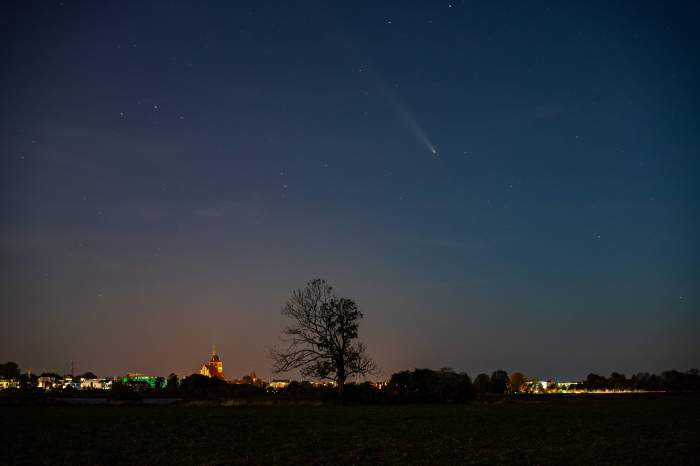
387 92
401 109
416 128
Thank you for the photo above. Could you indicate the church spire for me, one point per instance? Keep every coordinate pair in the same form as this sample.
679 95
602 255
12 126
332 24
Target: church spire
215 367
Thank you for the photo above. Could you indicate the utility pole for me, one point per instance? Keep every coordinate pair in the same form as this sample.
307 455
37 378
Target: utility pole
71 370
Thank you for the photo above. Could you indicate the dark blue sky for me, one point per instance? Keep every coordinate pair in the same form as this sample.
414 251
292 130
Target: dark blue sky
171 172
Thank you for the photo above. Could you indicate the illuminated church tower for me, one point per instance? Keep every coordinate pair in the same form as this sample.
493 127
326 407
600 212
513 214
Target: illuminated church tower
215 366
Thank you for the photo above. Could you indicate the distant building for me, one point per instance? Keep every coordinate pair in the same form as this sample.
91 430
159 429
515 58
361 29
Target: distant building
95 384
548 386
215 367
138 381
69 382
536 385
324 383
47 383
8 383
278 384
250 379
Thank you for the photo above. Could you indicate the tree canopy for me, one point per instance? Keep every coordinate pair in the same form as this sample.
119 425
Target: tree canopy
9 370
517 382
322 338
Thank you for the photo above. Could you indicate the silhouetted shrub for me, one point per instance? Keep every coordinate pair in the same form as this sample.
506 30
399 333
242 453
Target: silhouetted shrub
121 392
363 393
198 386
304 391
245 390
482 383
9 370
426 385
499 382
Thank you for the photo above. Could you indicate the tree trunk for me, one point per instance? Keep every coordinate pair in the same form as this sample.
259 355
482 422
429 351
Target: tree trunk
341 386
340 376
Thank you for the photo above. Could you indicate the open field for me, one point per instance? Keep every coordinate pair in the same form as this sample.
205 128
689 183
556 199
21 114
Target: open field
568 431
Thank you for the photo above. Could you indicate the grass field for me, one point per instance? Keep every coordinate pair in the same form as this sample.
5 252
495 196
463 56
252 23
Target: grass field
581 431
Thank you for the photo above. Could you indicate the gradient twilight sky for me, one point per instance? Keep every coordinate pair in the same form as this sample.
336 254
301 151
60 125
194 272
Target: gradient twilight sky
170 173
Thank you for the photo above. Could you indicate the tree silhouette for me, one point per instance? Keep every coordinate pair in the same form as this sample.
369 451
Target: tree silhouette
172 383
9 370
482 383
322 338
517 382
499 381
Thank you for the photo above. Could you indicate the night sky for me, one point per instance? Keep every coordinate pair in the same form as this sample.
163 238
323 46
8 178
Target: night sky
499 185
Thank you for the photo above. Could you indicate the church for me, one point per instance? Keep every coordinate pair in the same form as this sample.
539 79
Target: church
215 367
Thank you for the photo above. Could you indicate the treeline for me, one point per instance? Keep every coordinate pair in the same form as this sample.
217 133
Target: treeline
420 385
11 371
672 381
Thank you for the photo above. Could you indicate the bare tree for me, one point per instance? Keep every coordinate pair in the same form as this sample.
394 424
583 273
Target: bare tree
322 337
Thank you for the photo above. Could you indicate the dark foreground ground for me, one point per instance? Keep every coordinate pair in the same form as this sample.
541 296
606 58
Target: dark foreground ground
665 430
